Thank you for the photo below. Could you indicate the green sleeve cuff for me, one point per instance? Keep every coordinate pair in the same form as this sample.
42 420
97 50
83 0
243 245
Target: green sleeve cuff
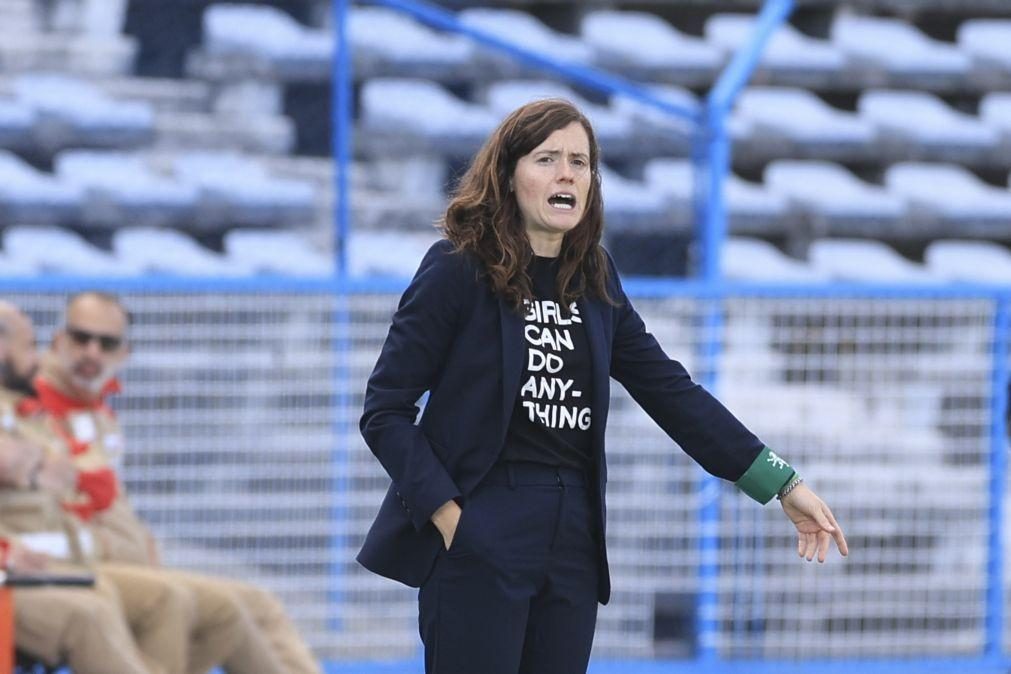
765 477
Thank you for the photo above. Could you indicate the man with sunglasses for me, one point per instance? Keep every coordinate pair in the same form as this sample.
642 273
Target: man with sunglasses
125 624
76 378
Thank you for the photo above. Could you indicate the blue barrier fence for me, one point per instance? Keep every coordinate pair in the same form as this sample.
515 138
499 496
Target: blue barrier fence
991 657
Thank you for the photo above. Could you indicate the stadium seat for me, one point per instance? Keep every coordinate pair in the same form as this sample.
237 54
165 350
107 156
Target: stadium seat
749 259
57 250
20 16
995 111
419 115
904 55
387 253
166 251
246 131
522 29
236 189
632 204
645 47
389 43
669 134
30 196
163 94
919 125
274 251
980 261
836 201
17 124
615 131
952 197
750 207
790 57
988 42
101 18
795 121
243 40
121 189
16 267
865 260
75 113
71 49
398 193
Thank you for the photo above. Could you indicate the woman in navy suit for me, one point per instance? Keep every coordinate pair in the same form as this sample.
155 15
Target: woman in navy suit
514 324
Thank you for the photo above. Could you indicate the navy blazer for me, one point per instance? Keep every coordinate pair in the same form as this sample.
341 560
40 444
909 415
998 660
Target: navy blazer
454 338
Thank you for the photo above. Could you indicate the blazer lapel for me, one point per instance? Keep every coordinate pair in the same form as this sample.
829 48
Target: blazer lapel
512 358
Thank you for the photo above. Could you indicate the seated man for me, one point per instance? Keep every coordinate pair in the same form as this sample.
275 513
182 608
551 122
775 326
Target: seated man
76 376
86 628
175 630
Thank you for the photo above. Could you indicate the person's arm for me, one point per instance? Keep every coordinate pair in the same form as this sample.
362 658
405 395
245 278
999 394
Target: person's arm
419 339
689 414
120 536
20 462
710 434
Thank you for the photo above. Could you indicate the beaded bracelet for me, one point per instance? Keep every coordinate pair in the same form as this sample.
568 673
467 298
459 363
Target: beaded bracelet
790 486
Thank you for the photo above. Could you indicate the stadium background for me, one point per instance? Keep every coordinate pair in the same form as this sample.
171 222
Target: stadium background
180 152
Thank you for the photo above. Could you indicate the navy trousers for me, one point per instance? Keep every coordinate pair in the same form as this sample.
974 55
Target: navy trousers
516 593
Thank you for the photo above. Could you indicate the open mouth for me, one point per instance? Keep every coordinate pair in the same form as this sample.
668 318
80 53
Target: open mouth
563 201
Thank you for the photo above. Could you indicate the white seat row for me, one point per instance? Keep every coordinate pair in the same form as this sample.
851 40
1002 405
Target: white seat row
43 113
29 251
768 122
867 50
207 192
917 200
939 197
201 191
32 250
864 260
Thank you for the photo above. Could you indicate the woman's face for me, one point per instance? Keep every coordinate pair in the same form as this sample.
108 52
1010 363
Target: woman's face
552 184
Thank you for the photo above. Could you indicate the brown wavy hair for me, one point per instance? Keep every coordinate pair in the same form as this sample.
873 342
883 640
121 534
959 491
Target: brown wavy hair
483 216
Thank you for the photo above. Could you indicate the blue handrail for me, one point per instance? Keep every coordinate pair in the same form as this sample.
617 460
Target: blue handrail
341 94
712 157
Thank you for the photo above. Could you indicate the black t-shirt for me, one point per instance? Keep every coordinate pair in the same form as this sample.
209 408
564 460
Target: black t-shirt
551 419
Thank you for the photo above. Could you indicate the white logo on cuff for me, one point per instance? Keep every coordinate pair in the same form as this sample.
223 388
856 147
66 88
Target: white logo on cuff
775 460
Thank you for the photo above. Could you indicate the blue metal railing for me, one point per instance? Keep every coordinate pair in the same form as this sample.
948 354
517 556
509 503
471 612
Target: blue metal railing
341 94
712 154
991 659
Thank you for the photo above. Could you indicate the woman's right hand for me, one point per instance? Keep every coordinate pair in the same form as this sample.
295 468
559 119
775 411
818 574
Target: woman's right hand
445 519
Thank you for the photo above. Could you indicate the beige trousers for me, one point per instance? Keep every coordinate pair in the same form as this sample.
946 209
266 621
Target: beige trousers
159 613
273 645
219 628
83 627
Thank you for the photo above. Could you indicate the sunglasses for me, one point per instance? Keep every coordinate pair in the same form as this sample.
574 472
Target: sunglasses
108 343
